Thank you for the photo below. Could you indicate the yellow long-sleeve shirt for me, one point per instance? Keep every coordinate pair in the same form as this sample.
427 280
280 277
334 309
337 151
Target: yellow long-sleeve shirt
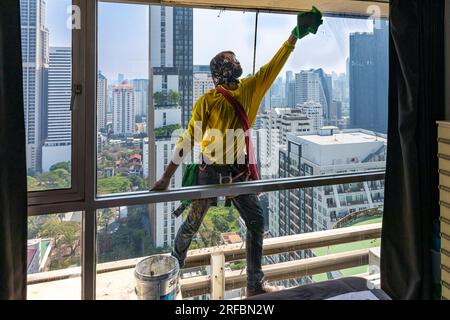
213 115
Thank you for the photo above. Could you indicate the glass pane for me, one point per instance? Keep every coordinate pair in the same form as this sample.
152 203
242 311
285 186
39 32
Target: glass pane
54 257
122 97
125 233
47 82
330 97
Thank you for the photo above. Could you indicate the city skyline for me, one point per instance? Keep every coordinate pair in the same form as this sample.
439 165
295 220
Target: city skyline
332 40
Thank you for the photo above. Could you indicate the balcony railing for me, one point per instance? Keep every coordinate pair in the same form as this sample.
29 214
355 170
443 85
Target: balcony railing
219 280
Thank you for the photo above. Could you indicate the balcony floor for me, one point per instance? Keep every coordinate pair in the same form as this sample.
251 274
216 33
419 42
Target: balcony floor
115 285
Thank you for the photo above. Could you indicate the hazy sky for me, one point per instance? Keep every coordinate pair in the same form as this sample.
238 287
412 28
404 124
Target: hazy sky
123 38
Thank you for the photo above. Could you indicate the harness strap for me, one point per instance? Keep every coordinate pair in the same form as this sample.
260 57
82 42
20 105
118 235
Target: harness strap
242 115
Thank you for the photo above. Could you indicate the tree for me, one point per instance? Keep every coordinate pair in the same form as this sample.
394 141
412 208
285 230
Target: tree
115 184
159 98
169 98
166 131
61 165
57 179
173 97
138 182
33 184
64 233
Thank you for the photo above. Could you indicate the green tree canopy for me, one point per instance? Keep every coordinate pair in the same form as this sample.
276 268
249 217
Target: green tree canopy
166 131
168 98
114 184
61 165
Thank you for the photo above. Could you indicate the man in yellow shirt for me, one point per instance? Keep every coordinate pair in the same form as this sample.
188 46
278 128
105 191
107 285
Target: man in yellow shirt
217 127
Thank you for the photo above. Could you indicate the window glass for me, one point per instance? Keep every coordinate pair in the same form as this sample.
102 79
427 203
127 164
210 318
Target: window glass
54 256
47 89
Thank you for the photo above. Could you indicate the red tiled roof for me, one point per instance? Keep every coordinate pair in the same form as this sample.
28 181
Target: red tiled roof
135 156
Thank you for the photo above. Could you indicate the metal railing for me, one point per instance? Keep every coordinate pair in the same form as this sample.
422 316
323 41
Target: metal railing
220 280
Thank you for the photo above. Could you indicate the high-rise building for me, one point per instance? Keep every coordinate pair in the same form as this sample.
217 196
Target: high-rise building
277 94
368 66
140 87
289 95
276 123
184 57
102 101
59 120
123 104
313 110
201 68
328 151
331 151
164 225
203 82
57 127
336 114
316 86
35 68
172 54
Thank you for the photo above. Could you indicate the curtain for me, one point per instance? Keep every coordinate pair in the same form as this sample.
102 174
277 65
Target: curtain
13 179
416 102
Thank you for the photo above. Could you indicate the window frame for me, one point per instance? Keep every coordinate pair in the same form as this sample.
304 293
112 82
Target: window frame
82 196
76 190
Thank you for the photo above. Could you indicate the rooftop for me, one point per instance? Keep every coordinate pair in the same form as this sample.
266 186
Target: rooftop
342 138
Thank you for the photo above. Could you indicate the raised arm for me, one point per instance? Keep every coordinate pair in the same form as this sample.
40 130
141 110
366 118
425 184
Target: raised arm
267 74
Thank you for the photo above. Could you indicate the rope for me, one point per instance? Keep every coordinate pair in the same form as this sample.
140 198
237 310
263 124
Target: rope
254 44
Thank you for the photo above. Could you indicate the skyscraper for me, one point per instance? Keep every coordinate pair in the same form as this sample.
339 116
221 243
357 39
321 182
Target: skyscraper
326 94
35 68
123 104
163 225
289 90
140 87
59 118
316 86
171 54
368 67
102 101
57 124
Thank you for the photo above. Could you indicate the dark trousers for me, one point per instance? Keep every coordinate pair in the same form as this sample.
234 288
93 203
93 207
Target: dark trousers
249 209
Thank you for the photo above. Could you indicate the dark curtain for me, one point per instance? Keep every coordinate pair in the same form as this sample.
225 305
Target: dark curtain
416 102
13 179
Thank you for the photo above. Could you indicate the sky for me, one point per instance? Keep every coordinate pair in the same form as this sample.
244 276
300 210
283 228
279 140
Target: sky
123 38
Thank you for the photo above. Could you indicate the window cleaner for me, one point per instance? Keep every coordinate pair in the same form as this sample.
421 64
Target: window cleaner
232 105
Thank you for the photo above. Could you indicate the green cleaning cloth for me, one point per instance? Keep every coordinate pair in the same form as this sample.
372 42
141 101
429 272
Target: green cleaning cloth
307 22
189 179
190 175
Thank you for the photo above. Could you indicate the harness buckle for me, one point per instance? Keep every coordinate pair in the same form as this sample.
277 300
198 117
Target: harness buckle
229 177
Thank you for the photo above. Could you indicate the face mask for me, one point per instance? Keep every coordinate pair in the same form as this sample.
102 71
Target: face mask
237 71
225 70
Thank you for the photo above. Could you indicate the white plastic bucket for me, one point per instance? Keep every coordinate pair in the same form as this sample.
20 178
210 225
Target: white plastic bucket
157 278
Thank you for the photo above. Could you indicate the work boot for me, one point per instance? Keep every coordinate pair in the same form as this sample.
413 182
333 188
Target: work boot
264 288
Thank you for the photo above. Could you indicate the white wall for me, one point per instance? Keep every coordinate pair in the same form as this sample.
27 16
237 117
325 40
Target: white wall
173 116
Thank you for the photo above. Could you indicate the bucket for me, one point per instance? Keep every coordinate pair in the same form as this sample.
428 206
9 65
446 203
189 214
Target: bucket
157 278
